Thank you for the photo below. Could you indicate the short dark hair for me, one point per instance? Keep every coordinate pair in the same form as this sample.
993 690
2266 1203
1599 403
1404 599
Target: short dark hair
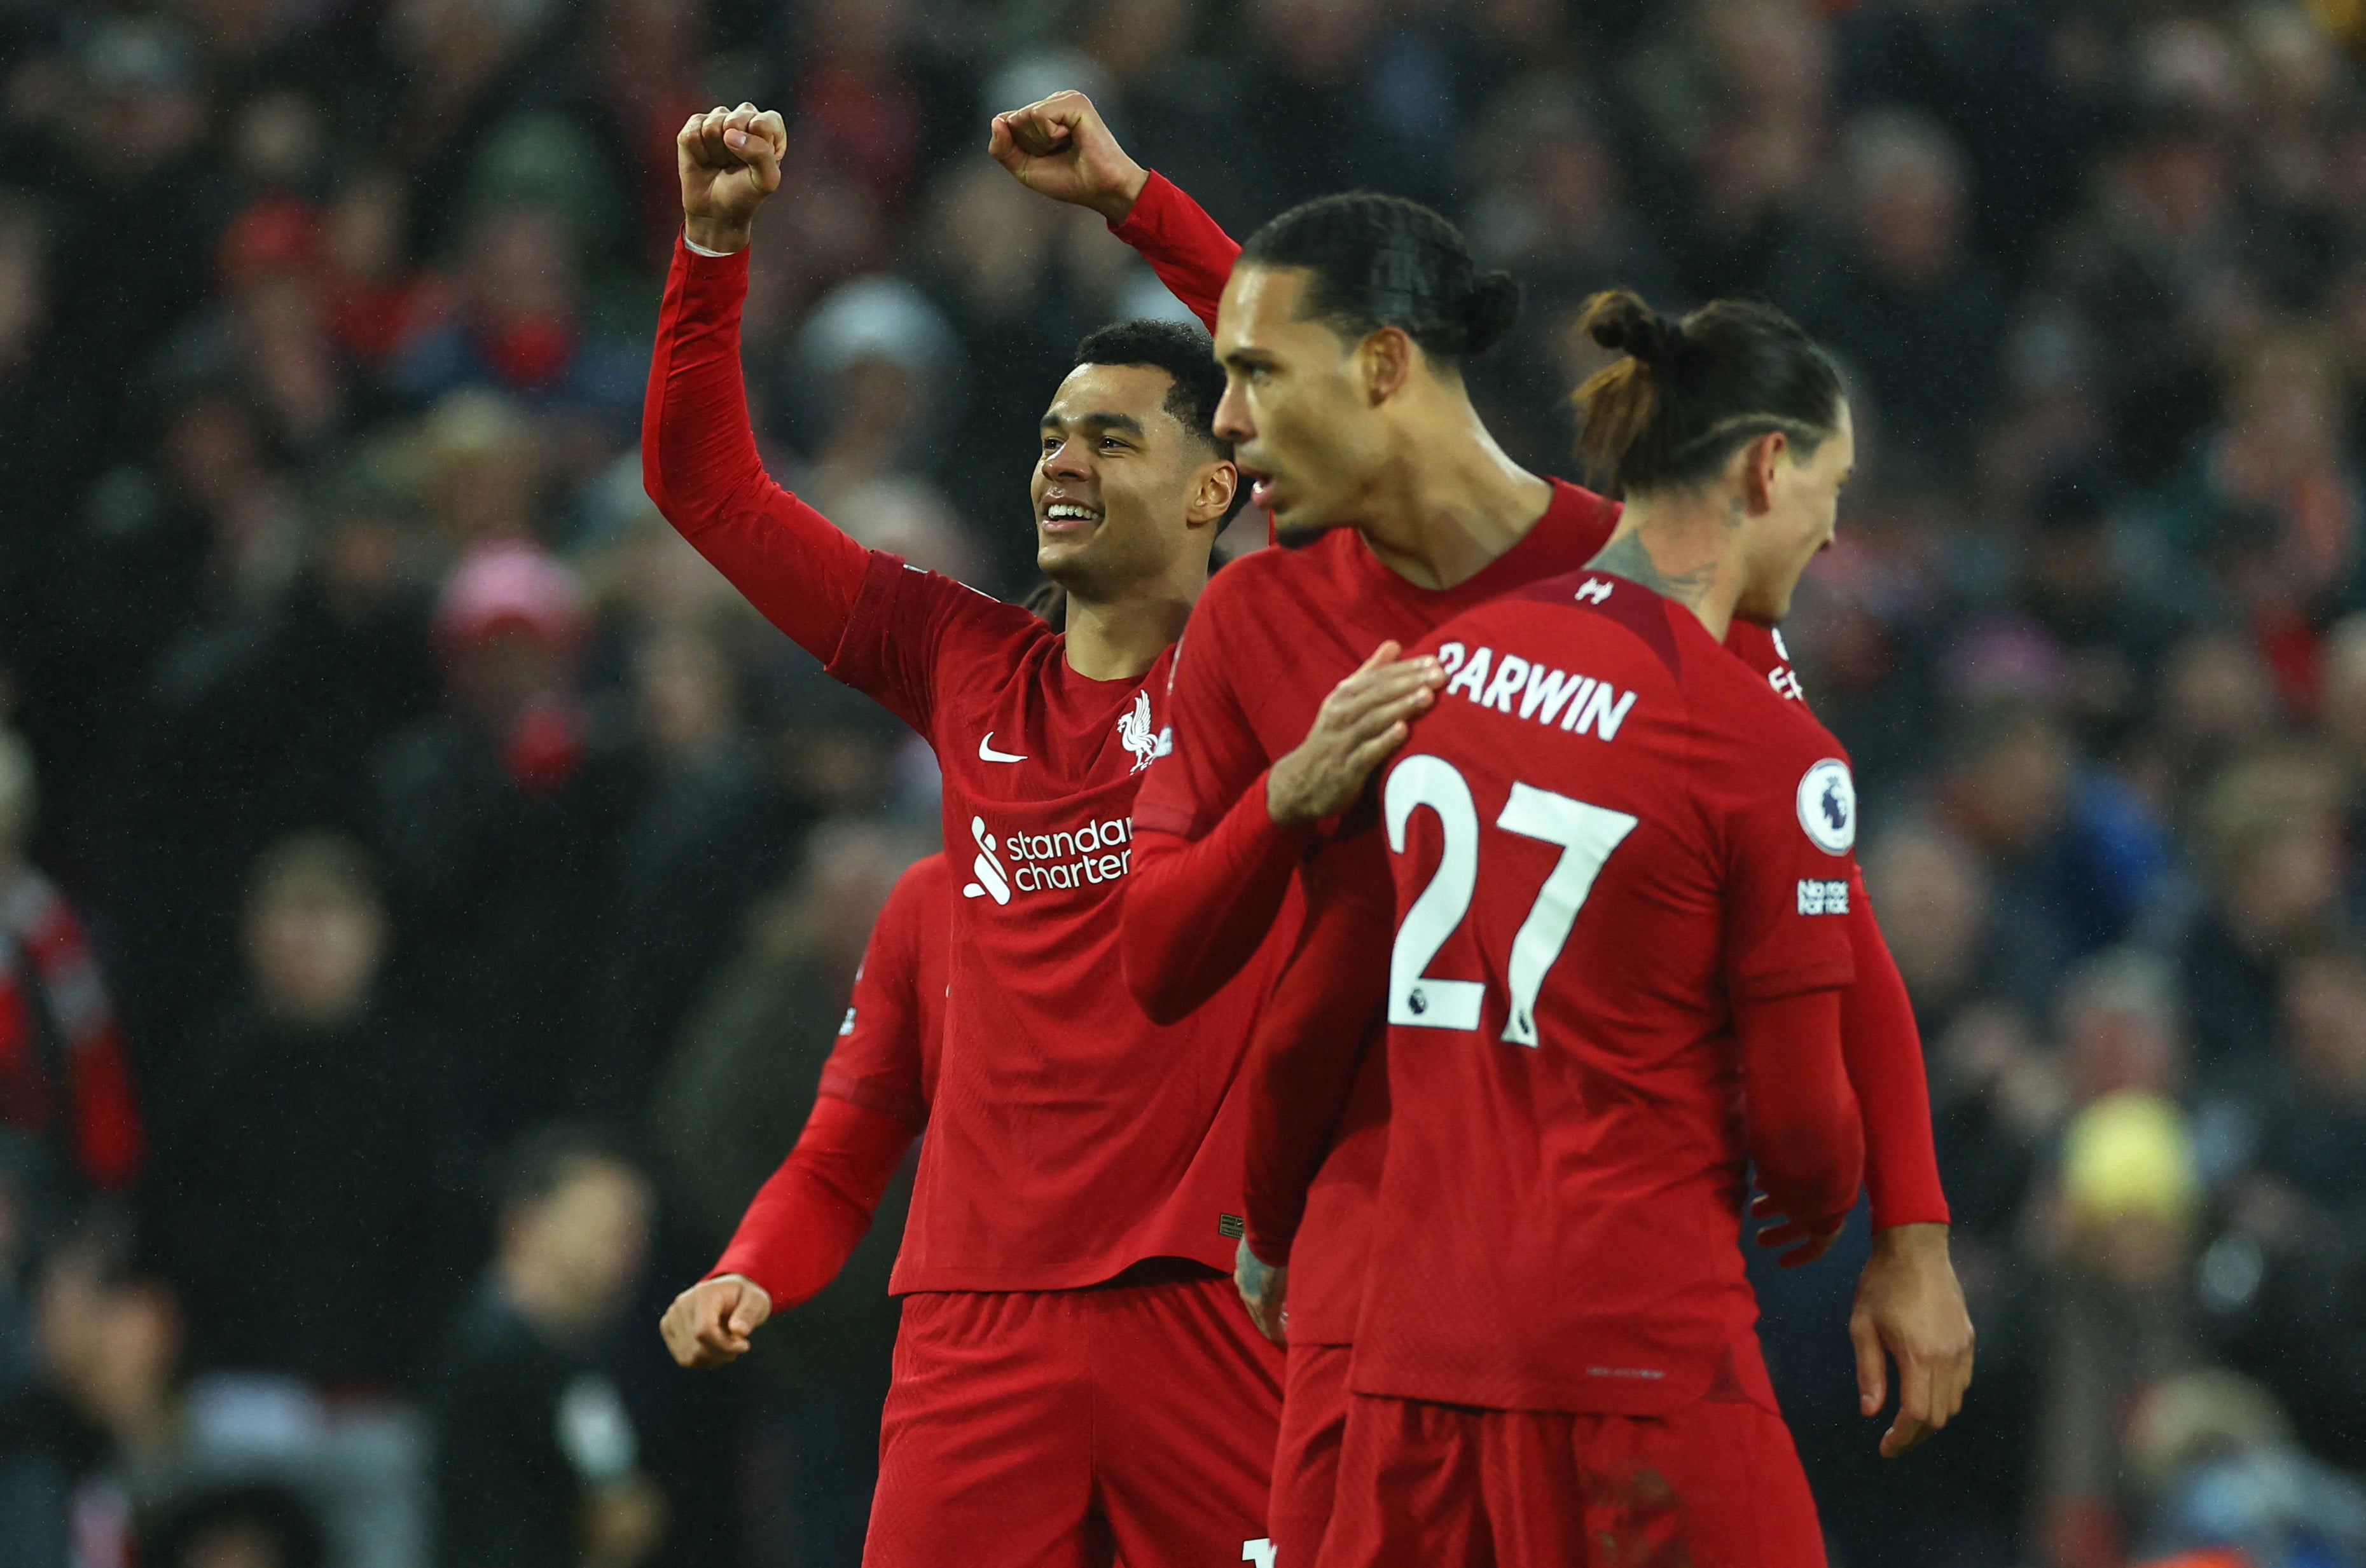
550 1157
1689 394
1188 356
1382 261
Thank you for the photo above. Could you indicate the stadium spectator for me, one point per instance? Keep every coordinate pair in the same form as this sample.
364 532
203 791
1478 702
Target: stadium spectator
65 1071
537 1459
312 1202
497 824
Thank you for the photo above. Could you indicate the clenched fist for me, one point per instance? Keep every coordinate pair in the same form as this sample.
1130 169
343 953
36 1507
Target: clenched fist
709 1324
1059 147
729 161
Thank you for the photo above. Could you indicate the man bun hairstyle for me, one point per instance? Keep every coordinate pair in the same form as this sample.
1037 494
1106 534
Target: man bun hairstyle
1381 261
1187 356
1688 394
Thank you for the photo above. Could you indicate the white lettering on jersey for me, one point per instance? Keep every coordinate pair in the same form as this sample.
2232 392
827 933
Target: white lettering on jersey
1819 897
1827 801
986 752
1086 856
1257 1553
1134 731
987 868
1593 590
1543 693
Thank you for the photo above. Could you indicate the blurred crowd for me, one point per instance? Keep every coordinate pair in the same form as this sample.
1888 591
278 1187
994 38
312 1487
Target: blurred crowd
427 892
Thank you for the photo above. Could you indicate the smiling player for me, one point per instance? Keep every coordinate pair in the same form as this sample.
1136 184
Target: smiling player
1071 1380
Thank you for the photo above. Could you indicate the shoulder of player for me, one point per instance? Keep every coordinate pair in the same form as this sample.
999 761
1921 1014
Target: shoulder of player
1248 581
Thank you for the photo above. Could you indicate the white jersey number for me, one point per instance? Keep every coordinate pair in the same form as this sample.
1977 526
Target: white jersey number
1586 834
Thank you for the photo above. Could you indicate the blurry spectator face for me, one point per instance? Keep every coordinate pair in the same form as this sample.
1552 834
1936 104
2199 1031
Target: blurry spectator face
522 267
2324 999
315 939
113 1347
2217 693
1123 494
585 1241
1772 57
368 227
502 675
2120 1031
2014 785
211 450
2289 882
685 688
238 1544
1319 43
1909 201
2177 185
1934 909
1151 33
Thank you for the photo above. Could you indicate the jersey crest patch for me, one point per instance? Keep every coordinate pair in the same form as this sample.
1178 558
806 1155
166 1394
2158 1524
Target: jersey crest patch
1134 731
1828 806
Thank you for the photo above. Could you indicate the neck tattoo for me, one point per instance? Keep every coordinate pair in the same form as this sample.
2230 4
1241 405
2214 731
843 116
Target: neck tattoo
1625 556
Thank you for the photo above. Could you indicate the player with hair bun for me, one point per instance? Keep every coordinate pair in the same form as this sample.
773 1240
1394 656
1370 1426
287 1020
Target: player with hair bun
1613 870
1344 328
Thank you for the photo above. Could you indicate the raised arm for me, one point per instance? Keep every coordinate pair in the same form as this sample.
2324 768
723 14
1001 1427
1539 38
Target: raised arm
698 452
1061 147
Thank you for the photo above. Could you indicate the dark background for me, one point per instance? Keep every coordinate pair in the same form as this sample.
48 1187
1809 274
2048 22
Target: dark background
322 328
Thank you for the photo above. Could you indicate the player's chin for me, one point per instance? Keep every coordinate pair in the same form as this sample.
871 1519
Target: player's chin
1295 527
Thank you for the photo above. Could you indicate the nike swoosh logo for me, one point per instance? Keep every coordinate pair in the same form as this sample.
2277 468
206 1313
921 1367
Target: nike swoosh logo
986 752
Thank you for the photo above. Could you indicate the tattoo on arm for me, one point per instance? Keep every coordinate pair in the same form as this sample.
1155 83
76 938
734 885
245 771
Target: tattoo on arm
1625 556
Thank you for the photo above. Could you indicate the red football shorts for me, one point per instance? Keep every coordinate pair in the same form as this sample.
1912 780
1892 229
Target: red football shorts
1131 1421
1314 1399
1715 1485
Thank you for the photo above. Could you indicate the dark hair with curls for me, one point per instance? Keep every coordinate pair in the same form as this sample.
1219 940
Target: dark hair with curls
1690 392
1382 261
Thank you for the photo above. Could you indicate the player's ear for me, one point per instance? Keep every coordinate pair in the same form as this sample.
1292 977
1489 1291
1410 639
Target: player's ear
1759 461
1386 358
1213 489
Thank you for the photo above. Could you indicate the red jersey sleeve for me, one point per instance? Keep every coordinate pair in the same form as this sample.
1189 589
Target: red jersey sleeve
1212 867
1882 1043
886 1052
1790 825
1311 1037
873 622
1189 249
875 1088
1806 1139
1884 1053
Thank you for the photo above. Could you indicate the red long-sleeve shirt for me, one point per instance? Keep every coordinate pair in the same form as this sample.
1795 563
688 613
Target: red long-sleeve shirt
1213 869
1069 1137
1613 948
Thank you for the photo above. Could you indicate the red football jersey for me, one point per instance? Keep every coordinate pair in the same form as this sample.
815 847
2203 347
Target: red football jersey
1069 1136
1274 632
1606 833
